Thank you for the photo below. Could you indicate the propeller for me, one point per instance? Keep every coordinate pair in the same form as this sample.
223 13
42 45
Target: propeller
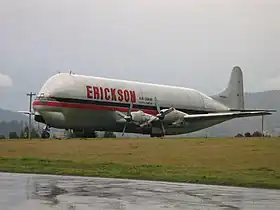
127 117
161 113
160 116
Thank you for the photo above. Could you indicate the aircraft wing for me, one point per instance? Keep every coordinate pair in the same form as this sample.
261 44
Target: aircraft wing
223 115
253 110
27 112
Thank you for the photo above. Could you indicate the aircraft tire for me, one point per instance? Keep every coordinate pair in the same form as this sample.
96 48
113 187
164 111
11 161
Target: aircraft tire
152 135
45 135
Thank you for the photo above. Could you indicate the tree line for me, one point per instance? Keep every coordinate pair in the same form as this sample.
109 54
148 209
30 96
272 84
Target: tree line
254 134
17 129
20 129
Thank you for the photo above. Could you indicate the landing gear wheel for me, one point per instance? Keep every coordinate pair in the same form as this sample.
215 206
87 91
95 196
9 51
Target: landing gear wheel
156 135
45 135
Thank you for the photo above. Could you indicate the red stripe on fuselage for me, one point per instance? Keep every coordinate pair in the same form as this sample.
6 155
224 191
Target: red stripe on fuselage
89 106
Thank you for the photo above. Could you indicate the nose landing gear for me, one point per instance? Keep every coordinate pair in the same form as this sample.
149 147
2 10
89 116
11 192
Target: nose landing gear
46 132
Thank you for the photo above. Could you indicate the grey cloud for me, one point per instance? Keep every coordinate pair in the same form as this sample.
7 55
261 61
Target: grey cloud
5 81
188 43
272 83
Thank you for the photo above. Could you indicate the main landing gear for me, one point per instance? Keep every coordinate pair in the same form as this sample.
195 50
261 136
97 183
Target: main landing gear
159 135
157 132
46 132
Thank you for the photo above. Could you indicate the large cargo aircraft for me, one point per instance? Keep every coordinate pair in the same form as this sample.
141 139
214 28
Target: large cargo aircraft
78 102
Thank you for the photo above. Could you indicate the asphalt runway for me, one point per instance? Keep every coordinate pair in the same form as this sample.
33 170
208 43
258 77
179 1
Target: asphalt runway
44 192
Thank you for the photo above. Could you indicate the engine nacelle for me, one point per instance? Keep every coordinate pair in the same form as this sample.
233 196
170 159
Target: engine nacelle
140 117
174 116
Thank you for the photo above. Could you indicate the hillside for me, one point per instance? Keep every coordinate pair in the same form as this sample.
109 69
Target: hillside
259 100
7 116
11 121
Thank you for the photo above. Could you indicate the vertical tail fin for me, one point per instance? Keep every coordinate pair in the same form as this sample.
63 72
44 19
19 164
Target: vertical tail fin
233 95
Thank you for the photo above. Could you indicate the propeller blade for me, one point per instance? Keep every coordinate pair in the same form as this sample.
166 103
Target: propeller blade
162 113
127 117
162 128
122 115
168 111
157 105
130 108
124 129
152 118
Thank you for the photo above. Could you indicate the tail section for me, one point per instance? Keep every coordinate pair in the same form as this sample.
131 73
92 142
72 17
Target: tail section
233 95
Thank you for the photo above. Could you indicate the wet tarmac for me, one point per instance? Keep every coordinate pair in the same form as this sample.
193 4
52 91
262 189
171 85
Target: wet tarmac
44 192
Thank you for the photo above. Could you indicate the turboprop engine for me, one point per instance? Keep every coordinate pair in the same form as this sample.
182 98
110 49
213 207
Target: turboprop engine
170 115
136 117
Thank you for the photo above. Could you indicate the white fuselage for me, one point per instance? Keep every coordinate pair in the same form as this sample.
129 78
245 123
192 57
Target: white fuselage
73 101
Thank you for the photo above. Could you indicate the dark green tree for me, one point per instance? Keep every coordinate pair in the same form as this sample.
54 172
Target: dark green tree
34 133
257 134
247 134
11 126
13 135
25 132
239 135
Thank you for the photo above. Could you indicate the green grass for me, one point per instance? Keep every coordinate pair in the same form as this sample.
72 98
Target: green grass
252 162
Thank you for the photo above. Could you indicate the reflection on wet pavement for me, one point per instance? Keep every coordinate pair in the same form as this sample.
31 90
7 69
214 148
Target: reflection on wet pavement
23 191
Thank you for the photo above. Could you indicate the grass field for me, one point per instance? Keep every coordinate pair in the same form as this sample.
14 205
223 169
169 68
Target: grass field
251 162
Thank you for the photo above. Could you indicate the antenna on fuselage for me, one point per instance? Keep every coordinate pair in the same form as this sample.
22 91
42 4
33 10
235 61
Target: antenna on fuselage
71 73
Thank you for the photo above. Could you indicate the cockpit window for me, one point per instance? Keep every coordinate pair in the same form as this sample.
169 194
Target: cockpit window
41 96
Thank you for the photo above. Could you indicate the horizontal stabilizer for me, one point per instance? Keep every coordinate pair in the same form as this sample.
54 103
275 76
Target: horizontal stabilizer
223 116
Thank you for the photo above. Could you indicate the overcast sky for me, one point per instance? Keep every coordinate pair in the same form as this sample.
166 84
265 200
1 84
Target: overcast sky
188 43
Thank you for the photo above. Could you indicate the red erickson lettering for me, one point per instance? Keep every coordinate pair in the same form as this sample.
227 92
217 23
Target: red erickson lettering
110 94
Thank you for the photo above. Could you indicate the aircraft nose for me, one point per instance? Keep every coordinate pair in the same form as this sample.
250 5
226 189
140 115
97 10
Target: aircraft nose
40 99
